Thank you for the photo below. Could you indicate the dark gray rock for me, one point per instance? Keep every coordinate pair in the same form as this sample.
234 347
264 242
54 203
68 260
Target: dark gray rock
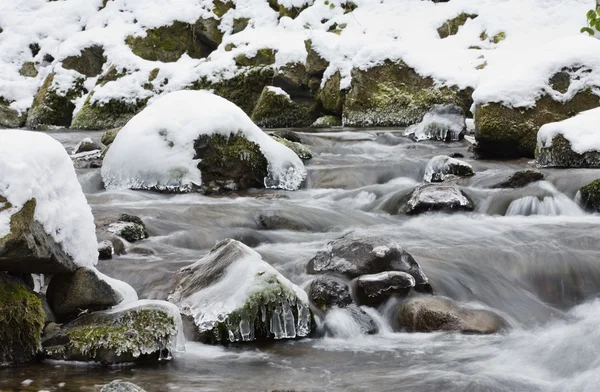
69 294
105 250
437 197
352 257
121 386
129 227
375 289
521 178
441 166
88 63
326 292
434 314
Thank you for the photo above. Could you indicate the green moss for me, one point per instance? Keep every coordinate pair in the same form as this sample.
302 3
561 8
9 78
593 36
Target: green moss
561 154
10 118
279 111
262 57
501 36
21 321
300 149
153 74
330 97
220 7
112 114
451 26
168 43
109 136
511 132
590 195
244 89
240 24
20 221
393 94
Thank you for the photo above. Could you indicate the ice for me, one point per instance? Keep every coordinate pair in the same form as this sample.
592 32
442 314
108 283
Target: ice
581 131
443 122
441 165
155 150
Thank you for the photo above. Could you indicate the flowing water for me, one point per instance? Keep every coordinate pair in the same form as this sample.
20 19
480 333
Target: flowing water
530 254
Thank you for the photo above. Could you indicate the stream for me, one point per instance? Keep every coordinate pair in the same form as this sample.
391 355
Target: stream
530 254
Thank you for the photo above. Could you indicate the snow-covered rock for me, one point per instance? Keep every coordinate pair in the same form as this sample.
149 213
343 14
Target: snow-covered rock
46 225
232 294
189 139
441 166
375 289
574 142
443 122
438 197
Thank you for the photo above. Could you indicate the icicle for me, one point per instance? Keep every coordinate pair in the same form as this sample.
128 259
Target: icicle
303 326
276 322
289 324
245 330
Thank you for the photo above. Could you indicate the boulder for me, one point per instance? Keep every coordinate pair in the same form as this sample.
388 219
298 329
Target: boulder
375 289
441 166
141 331
89 62
21 322
393 94
52 106
590 196
86 145
444 123
109 136
436 314
521 179
121 386
300 149
437 197
233 295
315 64
70 294
451 26
351 257
10 118
95 115
331 97
275 109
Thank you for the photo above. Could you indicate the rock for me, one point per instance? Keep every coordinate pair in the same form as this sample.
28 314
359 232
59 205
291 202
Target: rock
559 152
503 131
28 248
375 289
168 43
441 166
105 250
438 197
109 136
451 26
121 386
590 196
88 160
275 109
348 321
352 257
435 314
112 114
315 64
393 94
70 294
288 135
521 179
28 70
292 79
327 122
144 330
129 227
86 145
89 62
233 295
326 292
207 31
300 149
274 221
10 118
52 106
331 97
262 57
444 123
21 322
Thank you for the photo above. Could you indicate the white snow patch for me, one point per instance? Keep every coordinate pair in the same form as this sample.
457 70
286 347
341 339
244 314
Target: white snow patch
582 131
278 91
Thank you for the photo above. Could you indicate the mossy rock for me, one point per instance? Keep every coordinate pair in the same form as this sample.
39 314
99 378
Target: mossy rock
240 24
451 26
503 131
52 107
291 12
111 74
315 64
560 154
28 70
331 97
244 89
590 196
230 163
292 78
327 122
300 149
109 136
393 94
277 110
21 322
207 31
112 114
220 7
10 118
143 332
88 63
168 43
262 57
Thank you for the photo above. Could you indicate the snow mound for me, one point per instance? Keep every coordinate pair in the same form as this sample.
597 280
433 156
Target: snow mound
155 150
582 131
34 165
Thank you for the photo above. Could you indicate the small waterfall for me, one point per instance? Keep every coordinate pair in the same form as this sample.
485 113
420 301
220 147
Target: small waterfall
340 324
548 206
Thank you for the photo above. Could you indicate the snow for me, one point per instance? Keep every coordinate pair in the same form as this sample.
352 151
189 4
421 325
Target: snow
34 165
156 148
278 91
582 131
542 37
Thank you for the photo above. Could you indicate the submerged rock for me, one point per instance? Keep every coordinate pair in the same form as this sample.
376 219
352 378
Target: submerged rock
70 294
442 165
352 257
375 289
144 330
438 197
521 179
121 386
590 196
445 123
21 322
435 314
233 295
